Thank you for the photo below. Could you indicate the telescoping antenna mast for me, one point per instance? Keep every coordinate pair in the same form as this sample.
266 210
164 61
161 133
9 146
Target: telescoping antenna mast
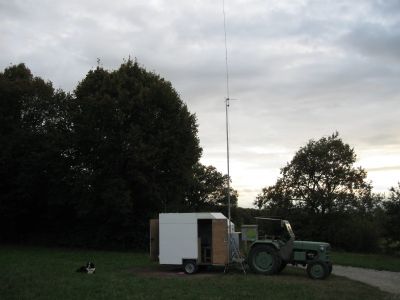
234 255
228 192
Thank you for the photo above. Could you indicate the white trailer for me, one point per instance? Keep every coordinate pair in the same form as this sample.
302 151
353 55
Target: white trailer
190 239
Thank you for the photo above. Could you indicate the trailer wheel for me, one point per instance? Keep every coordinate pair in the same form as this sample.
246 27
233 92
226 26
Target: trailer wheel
317 270
190 266
264 259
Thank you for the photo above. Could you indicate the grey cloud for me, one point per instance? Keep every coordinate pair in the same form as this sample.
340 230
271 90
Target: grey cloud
375 40
11 8
388 8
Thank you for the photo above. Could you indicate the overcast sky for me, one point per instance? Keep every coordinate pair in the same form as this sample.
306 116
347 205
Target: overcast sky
299 69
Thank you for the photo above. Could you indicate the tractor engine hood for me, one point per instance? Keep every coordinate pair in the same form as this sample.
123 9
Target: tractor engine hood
307 245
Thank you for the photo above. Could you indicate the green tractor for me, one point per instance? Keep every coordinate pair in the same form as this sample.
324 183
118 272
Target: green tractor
270 255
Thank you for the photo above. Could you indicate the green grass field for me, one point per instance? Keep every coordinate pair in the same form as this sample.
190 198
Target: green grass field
43 273
370 261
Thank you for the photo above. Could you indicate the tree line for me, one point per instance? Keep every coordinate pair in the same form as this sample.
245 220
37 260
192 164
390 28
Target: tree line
90 168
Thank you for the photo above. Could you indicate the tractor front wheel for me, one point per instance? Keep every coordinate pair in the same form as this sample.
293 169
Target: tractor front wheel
264 259
317 270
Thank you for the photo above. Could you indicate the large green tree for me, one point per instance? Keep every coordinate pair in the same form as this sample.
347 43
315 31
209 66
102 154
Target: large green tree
321 179
134 146
326 195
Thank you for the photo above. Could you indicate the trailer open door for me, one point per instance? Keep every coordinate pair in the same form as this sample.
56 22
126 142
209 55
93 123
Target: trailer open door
154 239
219 242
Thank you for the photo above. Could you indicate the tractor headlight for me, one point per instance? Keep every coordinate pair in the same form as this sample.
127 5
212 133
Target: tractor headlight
322 248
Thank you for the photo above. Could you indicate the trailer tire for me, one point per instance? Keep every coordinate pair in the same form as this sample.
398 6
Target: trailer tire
264 259
190 266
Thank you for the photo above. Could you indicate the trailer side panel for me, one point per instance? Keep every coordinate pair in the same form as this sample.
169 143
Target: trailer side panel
178 238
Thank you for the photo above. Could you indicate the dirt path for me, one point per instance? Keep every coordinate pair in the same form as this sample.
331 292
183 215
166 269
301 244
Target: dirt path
385 280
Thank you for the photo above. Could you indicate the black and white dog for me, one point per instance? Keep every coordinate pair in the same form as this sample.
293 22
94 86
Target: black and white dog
89 268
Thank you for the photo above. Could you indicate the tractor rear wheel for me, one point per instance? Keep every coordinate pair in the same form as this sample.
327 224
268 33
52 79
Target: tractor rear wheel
317 270
264 259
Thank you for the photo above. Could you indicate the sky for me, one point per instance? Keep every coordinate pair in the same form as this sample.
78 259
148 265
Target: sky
298 69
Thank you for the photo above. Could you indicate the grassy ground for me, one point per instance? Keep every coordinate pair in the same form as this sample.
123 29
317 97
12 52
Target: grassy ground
41 273
371 261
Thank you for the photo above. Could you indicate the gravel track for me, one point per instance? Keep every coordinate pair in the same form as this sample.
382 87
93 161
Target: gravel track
385 280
